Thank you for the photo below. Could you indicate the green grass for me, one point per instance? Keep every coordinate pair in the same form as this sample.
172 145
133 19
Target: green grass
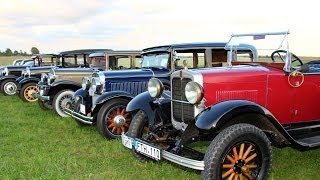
7 60
37 144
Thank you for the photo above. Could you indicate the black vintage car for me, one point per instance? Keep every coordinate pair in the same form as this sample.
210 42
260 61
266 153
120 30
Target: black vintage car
103 99
58 86
9 74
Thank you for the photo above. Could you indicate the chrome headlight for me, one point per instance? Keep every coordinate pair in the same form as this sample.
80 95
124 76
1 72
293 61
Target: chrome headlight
50 78
95 87
193 92
44 77
155 87
5 72
85 83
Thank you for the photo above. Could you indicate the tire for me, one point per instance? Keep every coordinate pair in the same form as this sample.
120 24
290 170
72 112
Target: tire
136 130
119 119
27 90
45 105
9 87
61 100
221 162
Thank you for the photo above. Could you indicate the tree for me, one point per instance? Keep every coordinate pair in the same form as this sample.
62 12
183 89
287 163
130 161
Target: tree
8 52
35 50
15 52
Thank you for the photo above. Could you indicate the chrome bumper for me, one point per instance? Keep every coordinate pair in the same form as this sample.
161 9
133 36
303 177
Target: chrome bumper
186 162
79 117
42 98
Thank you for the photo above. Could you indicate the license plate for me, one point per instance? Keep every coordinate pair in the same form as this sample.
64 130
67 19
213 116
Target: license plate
82 109
148 150
126 141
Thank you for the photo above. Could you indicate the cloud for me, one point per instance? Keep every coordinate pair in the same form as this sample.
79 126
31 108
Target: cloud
124 24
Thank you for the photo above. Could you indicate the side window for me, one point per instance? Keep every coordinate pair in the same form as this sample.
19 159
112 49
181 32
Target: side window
136 62
193 59
80 60
123 62
97 62
69 61
244 56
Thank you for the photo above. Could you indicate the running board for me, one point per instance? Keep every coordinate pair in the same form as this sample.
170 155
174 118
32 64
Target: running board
313 141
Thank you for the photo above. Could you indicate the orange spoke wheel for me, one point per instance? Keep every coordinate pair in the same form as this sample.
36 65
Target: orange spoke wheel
118 120
241 162
27 93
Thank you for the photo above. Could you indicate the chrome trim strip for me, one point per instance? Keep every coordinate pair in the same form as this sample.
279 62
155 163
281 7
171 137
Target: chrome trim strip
183 161
43 98
79 117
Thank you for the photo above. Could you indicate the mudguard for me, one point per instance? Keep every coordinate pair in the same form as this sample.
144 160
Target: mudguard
30 79
57 83
218 114
148 104
112 94
3 78
19 78
82 93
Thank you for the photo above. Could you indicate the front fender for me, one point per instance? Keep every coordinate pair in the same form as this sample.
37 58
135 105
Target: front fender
18 79
64 82
218 114
112 94
148 104
3 78
81 93
30 79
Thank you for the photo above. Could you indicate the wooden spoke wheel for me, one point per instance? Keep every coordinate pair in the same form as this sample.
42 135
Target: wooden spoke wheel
27 90
241 162
118 120
113 120
241 151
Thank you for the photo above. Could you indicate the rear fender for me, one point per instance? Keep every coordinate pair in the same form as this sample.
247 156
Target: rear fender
3 78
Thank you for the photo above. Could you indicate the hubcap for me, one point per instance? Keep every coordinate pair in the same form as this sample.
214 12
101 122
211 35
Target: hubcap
65 101
10 88
241 162
28 93
118 120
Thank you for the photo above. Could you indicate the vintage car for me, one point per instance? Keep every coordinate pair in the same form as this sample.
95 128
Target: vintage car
240 109
27 82
102 101
56 88
9 74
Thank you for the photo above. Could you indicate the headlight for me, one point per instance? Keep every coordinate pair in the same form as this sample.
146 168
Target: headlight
193 92
44 77
6 71
85 83
28 73
95 87
50 78
155 87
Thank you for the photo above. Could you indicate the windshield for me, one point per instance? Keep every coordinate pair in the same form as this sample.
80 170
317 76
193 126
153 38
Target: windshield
263 43
159 60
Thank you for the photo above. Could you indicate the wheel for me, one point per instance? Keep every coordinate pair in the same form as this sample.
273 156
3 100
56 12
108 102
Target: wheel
62 100
45 105
9 87
137 129
27 90
241 151
113 119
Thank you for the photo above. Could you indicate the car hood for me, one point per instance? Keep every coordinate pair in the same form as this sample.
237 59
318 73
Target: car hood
71 71
129 73
39 70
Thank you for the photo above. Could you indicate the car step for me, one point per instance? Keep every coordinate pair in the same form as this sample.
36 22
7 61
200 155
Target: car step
313 141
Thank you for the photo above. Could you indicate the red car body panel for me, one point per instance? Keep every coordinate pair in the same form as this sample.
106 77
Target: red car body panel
267 87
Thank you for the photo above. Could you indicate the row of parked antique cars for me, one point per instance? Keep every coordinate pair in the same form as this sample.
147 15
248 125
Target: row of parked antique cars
236 96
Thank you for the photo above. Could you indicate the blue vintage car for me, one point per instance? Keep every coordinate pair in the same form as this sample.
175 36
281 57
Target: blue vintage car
104 96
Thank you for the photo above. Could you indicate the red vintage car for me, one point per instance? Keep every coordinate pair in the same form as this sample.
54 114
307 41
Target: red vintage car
241 109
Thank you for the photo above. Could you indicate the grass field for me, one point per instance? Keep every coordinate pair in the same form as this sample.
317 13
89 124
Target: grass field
37 144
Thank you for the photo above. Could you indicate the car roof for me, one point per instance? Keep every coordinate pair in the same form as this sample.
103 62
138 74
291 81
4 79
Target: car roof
83 51
166 48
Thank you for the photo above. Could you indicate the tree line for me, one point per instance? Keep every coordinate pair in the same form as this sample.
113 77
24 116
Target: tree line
9 52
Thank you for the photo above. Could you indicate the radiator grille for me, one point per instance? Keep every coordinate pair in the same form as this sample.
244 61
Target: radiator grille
134 88
181 112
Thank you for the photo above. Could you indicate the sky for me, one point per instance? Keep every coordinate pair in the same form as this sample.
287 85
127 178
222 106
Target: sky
59 25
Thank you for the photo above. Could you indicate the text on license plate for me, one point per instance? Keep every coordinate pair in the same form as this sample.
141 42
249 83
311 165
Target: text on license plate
150 151
82 109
